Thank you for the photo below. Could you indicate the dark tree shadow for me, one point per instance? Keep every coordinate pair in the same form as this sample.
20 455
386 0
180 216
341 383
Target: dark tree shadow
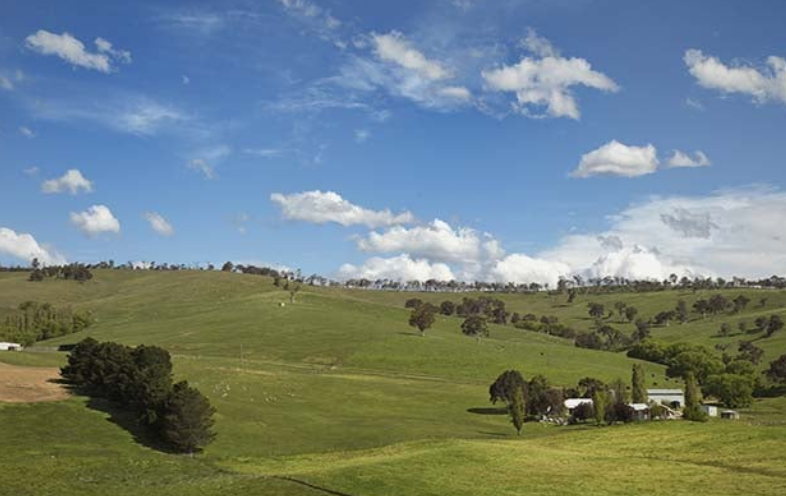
495 434
128 421
771 392
488 411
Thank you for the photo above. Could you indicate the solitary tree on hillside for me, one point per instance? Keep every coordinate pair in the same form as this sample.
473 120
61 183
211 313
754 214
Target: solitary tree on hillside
447 307
630 313
228 267
423 317
621 306
702 307
596 310
503 388
639 393
740 303
681 312
642 331
475 326
413 303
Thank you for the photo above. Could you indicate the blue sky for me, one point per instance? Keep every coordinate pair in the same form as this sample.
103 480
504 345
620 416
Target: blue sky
509 140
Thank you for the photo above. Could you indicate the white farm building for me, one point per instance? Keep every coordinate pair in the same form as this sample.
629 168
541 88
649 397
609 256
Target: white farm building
674 398
10 346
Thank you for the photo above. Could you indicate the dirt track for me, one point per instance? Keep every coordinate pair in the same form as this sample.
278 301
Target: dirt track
30 384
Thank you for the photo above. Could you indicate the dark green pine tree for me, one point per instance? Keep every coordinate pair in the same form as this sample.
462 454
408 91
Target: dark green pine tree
692 410
639 394
187 420
516 409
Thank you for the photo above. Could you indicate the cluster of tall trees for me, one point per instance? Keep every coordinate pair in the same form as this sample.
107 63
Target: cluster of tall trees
140 380
33 321
71 272
730 378
547 324
536 398
477 313
524 399
572 287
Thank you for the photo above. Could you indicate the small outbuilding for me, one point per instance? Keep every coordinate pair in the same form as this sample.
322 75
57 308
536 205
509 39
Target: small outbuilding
674 398
572 403
710 410
730 415
10 346
641 411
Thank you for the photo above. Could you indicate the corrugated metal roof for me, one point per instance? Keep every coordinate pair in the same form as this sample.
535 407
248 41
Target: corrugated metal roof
664 391
574 402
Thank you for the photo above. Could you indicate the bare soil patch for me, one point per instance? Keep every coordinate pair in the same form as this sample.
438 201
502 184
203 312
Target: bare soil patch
30 384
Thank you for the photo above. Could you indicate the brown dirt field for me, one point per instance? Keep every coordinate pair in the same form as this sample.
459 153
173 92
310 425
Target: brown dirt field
30 384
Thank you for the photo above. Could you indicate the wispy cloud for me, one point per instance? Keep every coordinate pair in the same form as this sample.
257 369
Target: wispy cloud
205 160
70 49
131 114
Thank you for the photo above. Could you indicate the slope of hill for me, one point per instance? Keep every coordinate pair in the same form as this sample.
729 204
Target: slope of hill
337 391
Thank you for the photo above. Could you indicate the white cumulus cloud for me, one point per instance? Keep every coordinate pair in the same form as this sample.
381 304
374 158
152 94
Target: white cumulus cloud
764 84
159 224
321 207
681 159
546 80
436 241
73 51
24 247
72 182
95 220
399 268
520 268
618 159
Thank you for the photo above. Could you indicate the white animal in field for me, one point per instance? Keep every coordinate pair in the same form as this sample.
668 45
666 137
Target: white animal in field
282 304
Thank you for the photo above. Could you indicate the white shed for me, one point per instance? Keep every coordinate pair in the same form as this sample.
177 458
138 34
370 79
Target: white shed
572 403
710 410
674 398
10 346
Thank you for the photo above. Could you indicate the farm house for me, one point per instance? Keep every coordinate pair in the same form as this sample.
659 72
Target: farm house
10 346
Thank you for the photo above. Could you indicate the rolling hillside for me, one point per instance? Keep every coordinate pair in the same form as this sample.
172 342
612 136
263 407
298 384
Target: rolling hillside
337 391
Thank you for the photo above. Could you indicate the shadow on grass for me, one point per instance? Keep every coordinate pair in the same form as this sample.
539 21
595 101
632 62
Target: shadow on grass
495 434
122 418
128 421
416 334
488 411
770 392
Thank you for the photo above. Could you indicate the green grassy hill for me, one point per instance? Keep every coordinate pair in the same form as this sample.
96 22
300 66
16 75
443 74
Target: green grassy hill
337 391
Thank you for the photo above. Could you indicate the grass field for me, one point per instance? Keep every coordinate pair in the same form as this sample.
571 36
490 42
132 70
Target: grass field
336 392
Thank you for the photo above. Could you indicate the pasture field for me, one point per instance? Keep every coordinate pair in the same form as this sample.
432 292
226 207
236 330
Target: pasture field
337 393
